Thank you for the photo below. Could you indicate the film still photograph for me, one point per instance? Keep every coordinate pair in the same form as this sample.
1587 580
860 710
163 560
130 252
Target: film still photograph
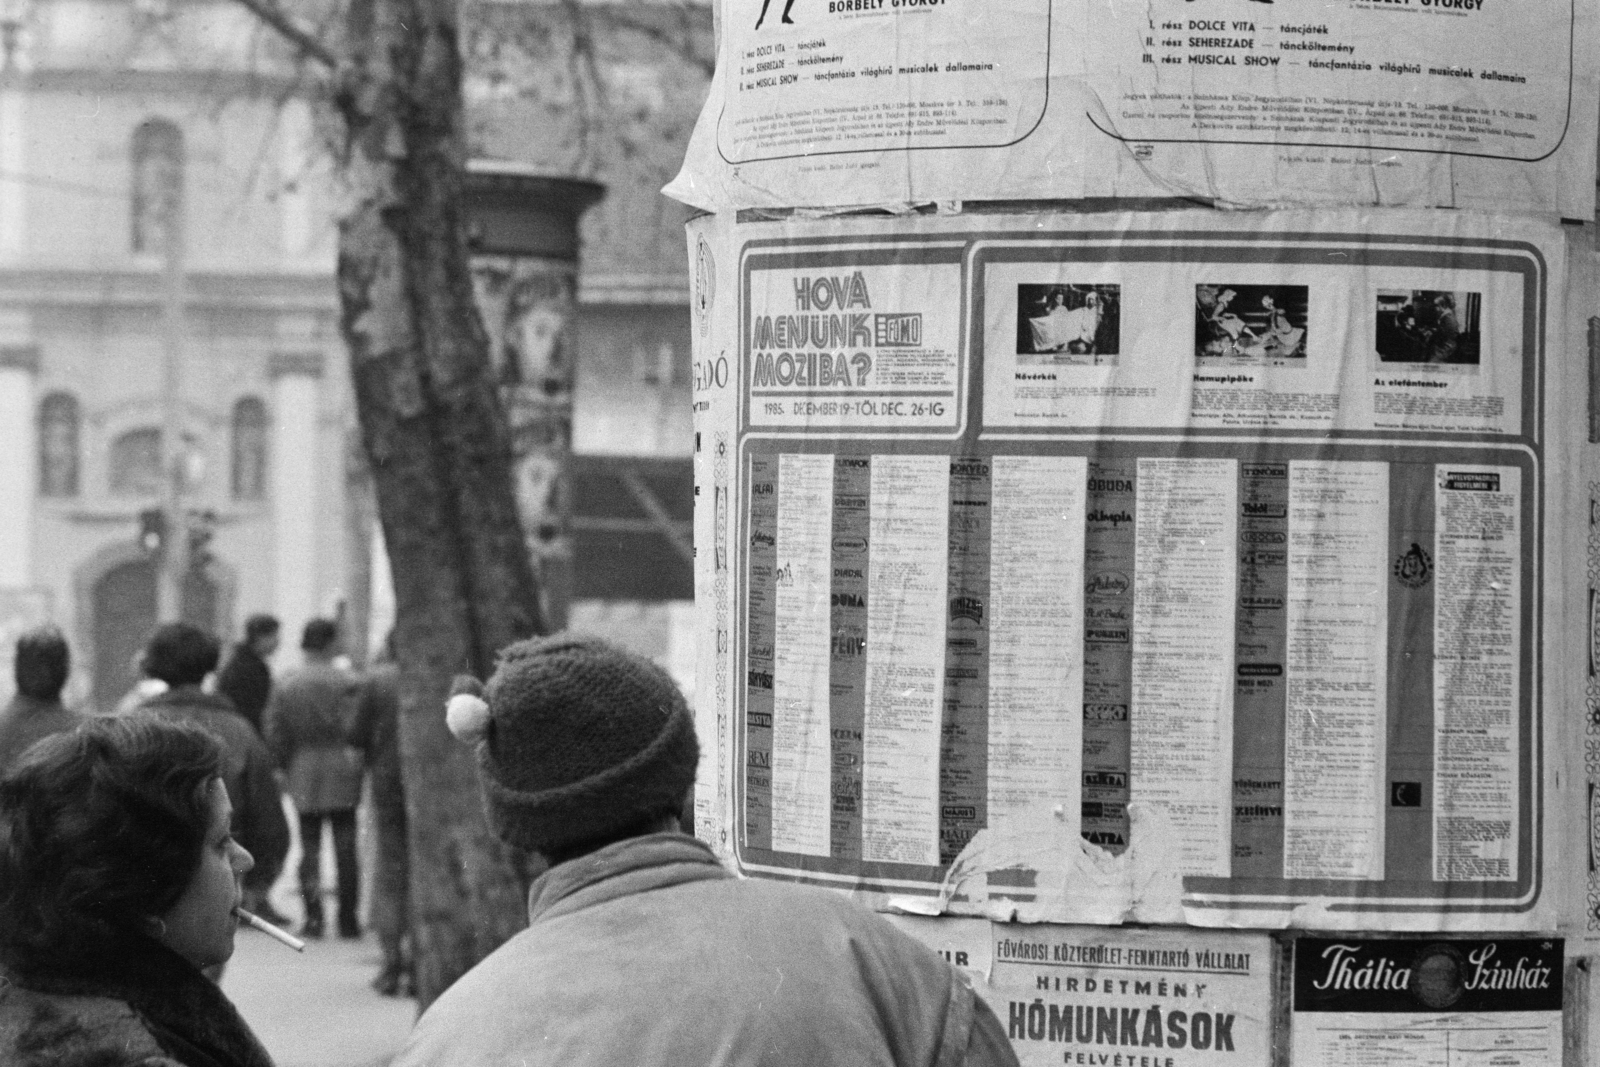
1432 326
1250 325
1069 325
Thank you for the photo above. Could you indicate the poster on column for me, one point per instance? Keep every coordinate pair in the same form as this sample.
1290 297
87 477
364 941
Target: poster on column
1098 569
712 382
1092 996
1479 104
1153 998
1393 1002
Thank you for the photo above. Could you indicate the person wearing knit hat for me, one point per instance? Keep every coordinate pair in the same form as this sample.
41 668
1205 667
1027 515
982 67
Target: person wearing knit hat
588 740
641 948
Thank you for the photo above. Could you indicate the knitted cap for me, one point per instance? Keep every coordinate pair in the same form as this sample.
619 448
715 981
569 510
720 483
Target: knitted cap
583 740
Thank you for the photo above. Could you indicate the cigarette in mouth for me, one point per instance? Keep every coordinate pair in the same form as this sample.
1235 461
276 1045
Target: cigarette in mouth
271 931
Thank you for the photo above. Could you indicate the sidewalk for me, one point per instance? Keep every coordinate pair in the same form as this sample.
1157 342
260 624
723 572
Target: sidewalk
315 1009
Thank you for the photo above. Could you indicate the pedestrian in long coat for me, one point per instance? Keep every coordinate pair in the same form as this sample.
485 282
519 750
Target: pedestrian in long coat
310 721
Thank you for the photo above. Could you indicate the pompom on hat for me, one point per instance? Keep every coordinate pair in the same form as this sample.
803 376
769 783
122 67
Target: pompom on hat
577 739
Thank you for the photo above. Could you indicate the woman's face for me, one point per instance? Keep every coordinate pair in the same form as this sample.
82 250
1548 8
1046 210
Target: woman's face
200 926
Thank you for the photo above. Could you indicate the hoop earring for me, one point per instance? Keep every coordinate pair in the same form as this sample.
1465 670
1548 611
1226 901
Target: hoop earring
156 926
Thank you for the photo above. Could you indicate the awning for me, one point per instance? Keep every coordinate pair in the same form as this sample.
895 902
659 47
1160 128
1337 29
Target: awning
632 527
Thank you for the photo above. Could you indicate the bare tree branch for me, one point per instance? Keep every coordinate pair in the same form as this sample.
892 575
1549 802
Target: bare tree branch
300 38
680 43
588 83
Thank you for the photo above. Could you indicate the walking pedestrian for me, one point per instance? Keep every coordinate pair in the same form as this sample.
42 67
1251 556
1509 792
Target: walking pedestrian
118 880
642 949
181 656
377 732
41 667
141 690
310 721
246 679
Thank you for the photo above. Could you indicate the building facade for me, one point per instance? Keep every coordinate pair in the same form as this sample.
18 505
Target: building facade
211 374
129 381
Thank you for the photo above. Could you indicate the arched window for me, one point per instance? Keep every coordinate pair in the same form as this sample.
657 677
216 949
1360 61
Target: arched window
157 156
136 463
58 445
249 449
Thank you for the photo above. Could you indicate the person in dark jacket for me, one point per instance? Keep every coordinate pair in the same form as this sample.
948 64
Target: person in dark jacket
377 732
309 724
118 880
182 655
41 667
246 679
641 949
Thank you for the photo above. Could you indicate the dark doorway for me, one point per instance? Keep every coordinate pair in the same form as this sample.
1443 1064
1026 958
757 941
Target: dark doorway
125 615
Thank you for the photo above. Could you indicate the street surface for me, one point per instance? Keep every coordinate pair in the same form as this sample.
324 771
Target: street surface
315 1009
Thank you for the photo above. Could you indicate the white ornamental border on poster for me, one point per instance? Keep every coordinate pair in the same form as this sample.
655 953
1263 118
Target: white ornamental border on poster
712 380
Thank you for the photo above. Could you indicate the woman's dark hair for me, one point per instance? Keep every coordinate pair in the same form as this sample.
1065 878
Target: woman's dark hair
101 828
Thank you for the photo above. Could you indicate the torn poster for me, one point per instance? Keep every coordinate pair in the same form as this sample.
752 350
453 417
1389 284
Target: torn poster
1094 996
1419 103
1078 568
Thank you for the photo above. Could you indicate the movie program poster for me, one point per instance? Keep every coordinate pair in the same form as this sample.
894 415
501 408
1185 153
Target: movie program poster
1096 569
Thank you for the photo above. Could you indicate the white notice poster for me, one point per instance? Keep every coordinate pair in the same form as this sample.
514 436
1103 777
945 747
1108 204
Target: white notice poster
1036 589
1337 623
1183 612
800 745
1480 104
1090 997
1479 551
905 655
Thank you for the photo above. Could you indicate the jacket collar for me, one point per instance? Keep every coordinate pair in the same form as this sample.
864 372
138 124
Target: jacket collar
184 1011
25 706
189 696
624 868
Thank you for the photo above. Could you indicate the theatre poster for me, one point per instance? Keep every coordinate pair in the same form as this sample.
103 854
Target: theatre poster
1482 104
1366 1002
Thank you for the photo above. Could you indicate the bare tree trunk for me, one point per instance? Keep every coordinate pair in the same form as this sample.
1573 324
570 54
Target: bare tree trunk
439 448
